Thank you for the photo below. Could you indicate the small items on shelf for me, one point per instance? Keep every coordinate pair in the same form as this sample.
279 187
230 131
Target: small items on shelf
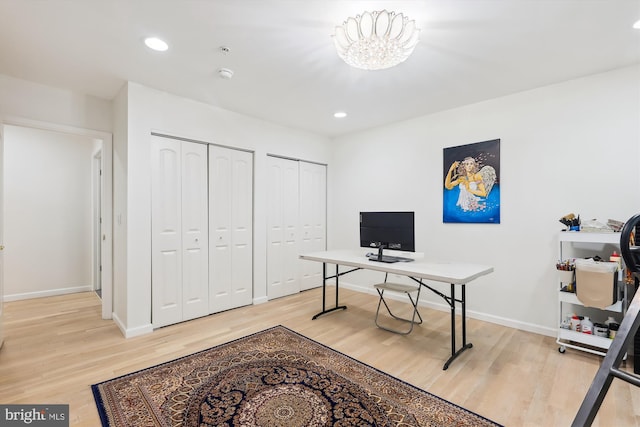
571 221
583 324
615 225
568 265
566 274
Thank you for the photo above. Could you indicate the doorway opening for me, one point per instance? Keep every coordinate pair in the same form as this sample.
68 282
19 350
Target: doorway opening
58 199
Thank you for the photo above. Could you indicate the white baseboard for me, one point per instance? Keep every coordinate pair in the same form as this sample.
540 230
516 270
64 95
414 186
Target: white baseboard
48 293
515 324
260 300
132 332
510 323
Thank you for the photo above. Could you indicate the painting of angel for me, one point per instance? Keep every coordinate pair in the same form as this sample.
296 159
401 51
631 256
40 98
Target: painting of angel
472 183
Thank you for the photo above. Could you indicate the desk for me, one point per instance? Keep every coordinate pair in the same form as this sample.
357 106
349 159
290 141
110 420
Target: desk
419 270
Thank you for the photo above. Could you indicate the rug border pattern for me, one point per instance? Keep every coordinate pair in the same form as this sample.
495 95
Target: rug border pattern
104 413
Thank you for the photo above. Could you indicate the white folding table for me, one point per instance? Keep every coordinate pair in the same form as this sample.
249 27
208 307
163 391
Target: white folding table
454 273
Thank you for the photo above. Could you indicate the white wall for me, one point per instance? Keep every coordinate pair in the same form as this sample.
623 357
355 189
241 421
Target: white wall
149 110
27 100
120 130
570 147
48 212
35 105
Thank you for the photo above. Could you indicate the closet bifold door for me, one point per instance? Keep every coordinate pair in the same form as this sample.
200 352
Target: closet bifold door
282 228
230 228
195 233
313 213
179 235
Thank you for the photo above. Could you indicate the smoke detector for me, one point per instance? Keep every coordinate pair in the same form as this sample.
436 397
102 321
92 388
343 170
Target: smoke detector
225 73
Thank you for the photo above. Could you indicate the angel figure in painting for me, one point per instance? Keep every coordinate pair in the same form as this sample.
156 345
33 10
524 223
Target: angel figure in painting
473 184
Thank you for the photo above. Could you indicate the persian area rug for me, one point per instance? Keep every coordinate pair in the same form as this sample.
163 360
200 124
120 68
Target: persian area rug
273 378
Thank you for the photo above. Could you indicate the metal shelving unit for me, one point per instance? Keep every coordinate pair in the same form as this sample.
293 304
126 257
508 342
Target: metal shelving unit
568 301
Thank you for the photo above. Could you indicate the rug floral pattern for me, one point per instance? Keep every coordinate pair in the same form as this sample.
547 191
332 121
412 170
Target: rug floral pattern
274 378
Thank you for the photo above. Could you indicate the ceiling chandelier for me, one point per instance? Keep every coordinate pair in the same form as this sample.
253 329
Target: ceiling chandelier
376 40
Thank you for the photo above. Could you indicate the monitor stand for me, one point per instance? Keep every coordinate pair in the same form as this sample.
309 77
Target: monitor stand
383 258
387 258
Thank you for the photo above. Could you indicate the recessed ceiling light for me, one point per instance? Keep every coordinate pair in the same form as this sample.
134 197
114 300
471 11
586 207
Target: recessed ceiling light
340 115
156 44
636 24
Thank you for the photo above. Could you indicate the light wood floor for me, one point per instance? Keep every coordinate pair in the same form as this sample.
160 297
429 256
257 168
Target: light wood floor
55 348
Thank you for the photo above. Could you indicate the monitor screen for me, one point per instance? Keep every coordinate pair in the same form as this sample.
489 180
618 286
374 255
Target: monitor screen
387 230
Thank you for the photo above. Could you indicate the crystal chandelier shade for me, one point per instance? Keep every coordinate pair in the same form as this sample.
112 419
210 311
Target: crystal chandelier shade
376 40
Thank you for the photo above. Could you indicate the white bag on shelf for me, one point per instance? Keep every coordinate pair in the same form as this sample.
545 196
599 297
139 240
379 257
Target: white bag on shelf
596 282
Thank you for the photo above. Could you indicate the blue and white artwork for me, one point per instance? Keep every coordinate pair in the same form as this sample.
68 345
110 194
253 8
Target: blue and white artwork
472 183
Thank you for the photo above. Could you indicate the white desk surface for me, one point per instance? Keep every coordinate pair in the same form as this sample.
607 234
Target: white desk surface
449 272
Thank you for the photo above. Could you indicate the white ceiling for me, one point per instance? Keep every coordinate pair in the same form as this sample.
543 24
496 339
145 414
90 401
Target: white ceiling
285 66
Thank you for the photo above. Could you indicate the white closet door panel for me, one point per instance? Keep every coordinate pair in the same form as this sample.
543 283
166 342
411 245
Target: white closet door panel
275 233
195 257
291 199
231 219
220 291
275 261
275 202
242 226
166 226
194 299
291 226
282 225
319 210
166 193
312 221
242 280
310 192
306 205
167 289
290 266
220 283
242 203
221 191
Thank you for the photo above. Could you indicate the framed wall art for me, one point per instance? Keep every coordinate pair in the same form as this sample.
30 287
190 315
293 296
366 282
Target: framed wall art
471 175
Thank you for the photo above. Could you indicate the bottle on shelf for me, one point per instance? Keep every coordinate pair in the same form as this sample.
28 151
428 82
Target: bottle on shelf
586 326
575 323
601 330
613 330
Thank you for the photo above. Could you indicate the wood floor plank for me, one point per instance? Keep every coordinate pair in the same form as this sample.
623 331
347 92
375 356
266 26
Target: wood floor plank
56 347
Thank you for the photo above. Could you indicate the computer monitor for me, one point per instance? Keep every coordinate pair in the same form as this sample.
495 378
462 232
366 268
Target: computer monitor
387 230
